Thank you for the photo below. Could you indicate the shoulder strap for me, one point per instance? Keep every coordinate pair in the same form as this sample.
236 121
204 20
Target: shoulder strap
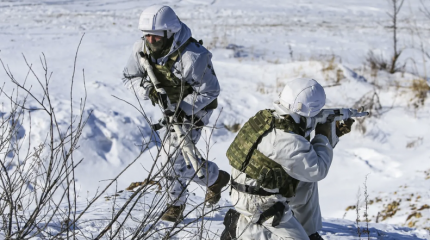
195 41
287 124
174 55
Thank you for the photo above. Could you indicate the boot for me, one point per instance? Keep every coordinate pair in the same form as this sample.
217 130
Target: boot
315 236
174 213
213 194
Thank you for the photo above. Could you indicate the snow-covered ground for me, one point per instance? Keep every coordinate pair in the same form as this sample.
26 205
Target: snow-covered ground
257 46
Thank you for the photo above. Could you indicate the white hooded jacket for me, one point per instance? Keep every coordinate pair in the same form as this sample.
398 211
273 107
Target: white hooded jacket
301 159
194 66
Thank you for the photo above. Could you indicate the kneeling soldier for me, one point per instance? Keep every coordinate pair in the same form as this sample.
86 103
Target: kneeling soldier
274 162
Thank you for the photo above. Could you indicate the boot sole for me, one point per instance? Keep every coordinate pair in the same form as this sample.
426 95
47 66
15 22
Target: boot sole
170 219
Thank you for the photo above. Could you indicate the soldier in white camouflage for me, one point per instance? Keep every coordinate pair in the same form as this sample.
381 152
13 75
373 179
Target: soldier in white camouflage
183 68
276 167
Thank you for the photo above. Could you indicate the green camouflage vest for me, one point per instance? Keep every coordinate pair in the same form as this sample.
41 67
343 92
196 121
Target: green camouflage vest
176 89
244 156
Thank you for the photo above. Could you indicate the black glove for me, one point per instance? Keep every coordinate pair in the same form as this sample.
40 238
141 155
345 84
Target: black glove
324 129
153 95
162 100
345 127
161 123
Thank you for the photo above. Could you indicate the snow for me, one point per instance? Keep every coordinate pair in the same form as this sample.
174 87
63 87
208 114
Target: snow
256 47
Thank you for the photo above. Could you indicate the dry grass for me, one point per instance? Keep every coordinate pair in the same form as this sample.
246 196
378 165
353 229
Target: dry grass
339 75
352 207
234 128
376 62
261 88
414 215
415 143
425 206
390 210
279 85
137 184
219 39
420 89
427 173
372 104
331 66
276 61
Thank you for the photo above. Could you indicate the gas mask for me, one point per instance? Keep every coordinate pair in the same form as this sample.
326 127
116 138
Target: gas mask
161 47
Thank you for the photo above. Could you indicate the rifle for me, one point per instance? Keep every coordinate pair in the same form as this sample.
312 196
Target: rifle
332 116
189 150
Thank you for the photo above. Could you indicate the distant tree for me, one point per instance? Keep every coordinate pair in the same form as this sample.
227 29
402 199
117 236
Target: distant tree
396 7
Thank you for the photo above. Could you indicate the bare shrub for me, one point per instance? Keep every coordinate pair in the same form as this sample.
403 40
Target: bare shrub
425 9
38 197
379 62
38 177
366 209
396 7
357 207
139 217
371 103
291 52
357 212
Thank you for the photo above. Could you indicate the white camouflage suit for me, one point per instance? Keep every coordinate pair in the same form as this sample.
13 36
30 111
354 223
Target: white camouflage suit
195 67
306 161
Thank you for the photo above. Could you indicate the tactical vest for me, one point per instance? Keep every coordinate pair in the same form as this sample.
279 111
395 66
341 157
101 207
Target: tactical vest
176 89
244 156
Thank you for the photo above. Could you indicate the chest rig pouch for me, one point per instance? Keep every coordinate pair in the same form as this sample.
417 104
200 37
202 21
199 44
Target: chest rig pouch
244 156
176 89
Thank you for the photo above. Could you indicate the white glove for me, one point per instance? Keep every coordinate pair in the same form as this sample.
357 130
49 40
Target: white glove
144 90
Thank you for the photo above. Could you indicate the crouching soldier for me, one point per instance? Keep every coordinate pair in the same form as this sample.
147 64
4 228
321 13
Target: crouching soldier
275 168
183 68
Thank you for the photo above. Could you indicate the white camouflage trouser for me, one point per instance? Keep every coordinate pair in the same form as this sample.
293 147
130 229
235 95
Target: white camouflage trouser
306 207
306 219
288 228
176 171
